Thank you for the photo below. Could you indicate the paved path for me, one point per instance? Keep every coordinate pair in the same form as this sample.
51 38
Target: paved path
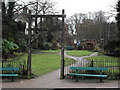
51 80
80 62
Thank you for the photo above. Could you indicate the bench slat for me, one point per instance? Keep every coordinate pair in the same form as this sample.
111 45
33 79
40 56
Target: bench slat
89 68
87 75
9 68
8 74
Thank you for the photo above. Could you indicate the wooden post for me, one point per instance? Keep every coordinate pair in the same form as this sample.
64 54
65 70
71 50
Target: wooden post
36 31
92 66
62 48
92 63
36 17
100 74
76 75
29 47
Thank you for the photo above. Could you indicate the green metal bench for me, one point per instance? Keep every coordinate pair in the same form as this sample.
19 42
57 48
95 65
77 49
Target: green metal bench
89 75
10 69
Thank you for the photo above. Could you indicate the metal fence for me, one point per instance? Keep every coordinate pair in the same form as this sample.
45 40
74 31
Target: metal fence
112 65
22 64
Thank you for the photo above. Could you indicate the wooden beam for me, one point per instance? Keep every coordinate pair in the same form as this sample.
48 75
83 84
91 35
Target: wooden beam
42 29
48 16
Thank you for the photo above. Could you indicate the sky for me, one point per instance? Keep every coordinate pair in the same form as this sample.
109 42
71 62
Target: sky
84 6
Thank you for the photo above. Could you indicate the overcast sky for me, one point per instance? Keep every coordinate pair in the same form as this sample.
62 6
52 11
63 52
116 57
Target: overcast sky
83 6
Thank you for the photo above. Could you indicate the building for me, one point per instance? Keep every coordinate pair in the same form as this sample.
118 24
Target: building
87 44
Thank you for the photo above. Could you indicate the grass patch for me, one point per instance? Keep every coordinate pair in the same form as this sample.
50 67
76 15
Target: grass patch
79 53
44 63
41 63
51 51
104 61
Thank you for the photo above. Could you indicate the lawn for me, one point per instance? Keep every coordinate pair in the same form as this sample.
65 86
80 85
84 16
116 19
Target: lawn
43 63
51 51
79 53
104 61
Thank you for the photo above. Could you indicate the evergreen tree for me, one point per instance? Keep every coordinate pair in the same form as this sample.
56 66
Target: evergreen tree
8 24
12 32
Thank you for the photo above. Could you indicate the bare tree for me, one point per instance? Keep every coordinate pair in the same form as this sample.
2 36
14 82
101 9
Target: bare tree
92 26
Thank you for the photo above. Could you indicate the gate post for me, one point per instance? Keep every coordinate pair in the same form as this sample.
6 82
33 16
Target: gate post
62 48
29 46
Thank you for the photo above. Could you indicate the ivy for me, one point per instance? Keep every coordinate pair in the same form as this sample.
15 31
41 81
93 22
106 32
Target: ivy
8 46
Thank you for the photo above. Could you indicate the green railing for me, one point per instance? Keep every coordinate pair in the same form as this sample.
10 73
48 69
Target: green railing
112 65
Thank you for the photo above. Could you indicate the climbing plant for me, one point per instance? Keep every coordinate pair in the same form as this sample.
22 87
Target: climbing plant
8 47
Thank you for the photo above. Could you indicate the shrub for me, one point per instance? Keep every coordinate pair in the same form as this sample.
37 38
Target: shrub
47 45
8 48
22 44
113 48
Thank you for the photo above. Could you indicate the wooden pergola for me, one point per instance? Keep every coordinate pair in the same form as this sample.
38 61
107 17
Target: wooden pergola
32 38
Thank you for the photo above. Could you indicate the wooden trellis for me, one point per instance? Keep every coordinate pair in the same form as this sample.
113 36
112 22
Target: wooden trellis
38 31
